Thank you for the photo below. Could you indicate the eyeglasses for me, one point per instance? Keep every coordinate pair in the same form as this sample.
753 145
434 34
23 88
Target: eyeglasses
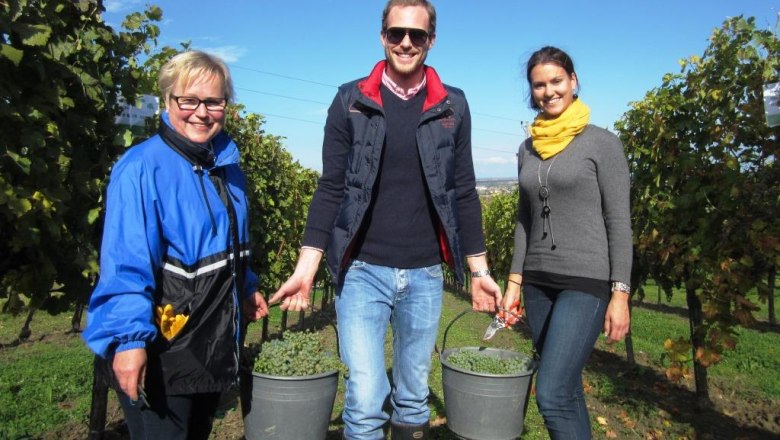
395 35
189 103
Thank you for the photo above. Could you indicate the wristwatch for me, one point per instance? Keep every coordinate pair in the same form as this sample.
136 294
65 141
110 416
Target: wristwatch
620 286
480 273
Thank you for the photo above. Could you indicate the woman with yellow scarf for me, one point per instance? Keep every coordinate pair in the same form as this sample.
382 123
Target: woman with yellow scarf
572 252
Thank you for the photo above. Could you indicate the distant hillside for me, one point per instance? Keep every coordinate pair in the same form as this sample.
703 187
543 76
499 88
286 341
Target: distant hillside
487 187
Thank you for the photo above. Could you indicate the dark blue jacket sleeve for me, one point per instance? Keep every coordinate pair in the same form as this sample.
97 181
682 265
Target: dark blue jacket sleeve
469 207
330 188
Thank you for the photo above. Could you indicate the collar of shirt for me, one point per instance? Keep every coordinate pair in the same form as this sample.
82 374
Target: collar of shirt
400 91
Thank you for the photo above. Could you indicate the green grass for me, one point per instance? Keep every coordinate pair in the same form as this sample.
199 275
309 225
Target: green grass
43 384
756 352
654 296
750 364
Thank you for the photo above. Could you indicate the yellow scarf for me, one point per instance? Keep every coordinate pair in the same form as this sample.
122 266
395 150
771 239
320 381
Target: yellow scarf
551 136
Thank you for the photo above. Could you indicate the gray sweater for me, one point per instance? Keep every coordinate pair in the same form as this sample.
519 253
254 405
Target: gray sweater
590 215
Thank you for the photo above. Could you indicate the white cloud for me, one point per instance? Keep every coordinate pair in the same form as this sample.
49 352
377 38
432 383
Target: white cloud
496 160
113 6
229 54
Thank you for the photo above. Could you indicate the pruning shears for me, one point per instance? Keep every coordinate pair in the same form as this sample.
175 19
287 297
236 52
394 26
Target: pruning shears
504 319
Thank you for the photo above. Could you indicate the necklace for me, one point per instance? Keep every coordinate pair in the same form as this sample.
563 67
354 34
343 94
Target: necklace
544 190
544 195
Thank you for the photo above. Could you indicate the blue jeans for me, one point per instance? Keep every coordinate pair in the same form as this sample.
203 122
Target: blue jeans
565 325
410 300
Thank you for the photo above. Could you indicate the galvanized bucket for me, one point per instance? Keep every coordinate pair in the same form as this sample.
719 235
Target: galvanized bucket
483 406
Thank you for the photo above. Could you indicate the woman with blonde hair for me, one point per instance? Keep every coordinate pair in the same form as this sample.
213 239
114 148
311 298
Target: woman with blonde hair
174 266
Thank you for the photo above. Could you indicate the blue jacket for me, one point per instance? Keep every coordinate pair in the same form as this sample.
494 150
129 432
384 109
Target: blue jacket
352 151
170 232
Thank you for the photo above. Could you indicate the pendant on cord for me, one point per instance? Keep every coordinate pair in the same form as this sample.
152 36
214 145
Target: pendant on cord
544 195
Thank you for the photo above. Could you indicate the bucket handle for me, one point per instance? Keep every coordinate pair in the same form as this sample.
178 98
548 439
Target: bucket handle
447 330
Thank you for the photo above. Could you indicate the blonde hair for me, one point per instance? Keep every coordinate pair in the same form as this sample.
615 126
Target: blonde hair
188 67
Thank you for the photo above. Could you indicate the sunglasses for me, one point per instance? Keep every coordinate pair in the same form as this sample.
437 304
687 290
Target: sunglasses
395 35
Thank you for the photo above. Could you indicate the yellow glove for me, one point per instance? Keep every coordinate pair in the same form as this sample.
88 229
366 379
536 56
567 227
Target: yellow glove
169 323
177 323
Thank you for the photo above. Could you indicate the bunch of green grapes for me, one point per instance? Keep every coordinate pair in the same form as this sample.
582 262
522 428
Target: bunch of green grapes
486 363
296 354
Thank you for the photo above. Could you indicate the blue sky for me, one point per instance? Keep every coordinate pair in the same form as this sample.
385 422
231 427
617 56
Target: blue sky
288 57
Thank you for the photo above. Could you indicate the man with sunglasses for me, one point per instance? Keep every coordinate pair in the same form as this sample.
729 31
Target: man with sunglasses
396 198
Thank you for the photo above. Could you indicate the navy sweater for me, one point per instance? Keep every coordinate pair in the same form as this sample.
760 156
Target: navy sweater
400 229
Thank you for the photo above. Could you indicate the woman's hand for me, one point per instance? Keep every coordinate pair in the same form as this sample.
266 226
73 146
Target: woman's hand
512 296
255 307
617 320
130 371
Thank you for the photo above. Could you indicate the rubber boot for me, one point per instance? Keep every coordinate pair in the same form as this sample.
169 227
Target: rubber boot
409 432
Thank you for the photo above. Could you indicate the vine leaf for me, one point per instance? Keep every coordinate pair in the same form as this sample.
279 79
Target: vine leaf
34 34
11 53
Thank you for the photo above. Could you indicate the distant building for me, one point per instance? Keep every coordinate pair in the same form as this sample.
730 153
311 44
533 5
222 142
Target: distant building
489 187
147 106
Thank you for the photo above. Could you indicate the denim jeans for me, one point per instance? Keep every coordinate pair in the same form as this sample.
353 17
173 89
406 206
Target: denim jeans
565 325
368 299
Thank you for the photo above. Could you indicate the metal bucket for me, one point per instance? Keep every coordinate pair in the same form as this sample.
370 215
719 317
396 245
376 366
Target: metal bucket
482 406
290 408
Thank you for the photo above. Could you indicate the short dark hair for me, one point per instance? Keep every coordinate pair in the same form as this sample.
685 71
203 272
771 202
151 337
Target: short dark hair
424 3
548 55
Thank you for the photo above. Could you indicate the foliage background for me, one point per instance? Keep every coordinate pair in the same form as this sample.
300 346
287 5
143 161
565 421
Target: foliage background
705 191
63 69
705 188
